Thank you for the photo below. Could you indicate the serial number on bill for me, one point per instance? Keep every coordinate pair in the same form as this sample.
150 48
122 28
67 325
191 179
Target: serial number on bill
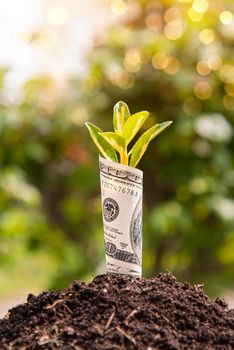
118 188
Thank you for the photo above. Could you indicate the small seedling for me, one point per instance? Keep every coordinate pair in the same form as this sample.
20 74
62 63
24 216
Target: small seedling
126 126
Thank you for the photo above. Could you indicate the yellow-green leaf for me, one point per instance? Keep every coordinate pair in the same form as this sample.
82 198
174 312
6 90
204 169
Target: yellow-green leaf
133 125
104 147
121 114
141 145
115 140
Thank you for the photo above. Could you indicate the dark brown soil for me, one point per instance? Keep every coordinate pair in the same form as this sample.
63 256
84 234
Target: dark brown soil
120 312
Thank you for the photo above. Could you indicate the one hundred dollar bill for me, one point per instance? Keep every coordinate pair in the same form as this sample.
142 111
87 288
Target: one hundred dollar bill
121 189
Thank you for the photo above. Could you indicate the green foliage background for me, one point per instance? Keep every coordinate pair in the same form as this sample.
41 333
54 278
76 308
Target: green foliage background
50 221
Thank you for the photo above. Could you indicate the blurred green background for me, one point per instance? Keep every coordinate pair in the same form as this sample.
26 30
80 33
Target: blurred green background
173 58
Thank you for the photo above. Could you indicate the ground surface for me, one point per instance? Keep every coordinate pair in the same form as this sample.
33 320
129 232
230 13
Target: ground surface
120 312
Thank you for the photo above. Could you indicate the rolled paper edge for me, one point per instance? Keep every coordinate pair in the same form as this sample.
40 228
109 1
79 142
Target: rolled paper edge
123 167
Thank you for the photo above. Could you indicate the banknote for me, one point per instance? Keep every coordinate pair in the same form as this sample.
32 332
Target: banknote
121 192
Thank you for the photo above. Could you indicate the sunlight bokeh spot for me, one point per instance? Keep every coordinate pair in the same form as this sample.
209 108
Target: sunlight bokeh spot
172 14
203 90
79 115
160 60
203 68
194 15
132 60
207 36
214 62
226 17
154 21
228 102
214 127
198 185
173 66
229 89
174 30
227 73
225 207
119 7
119 77
200 6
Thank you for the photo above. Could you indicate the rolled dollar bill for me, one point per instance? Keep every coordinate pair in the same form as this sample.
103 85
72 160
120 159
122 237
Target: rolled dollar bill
121 189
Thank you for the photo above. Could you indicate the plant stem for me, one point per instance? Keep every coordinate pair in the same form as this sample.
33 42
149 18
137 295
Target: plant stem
124 157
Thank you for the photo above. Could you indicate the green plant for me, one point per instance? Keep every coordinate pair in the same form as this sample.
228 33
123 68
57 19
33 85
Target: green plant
126 126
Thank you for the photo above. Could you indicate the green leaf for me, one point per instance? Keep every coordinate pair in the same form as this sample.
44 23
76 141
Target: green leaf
104 147
141 145
115 140
121 114
133 125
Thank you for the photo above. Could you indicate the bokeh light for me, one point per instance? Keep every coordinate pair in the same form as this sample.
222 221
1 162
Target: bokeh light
173 14
228 102
226 17
214 62
214 127
200 6
173 66
132 60
119 7
160 60
174 30
198 185
203 90
227 73
203 68
119 76
79 115
225 207
195 16
229 89
207 36
154 21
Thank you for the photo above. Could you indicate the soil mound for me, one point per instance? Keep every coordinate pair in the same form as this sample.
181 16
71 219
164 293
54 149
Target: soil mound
116 312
